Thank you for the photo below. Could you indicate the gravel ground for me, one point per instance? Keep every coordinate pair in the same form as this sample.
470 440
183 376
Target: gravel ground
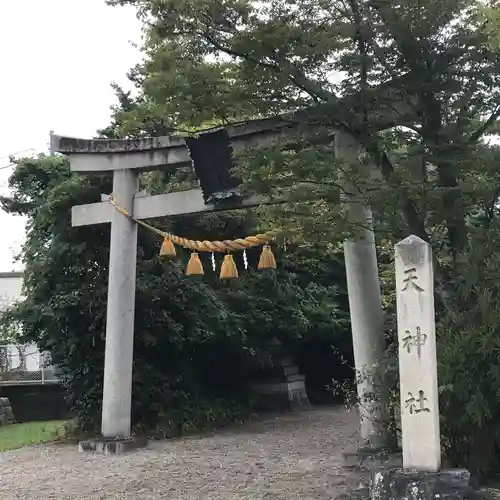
296 456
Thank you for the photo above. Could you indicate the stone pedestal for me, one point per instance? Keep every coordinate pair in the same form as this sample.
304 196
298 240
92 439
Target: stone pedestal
401 484
361 465
6 413
110 446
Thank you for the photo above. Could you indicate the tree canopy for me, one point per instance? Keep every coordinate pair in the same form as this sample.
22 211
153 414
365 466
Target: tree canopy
430 65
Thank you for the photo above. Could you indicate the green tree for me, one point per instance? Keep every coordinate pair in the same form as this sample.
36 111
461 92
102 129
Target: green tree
220 60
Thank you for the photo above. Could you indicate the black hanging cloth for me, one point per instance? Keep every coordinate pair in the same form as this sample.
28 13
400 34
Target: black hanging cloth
211 153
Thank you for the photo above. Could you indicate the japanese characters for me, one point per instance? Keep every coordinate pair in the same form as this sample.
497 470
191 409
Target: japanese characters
417 355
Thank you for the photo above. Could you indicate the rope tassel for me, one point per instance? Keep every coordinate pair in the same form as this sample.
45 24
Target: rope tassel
194 266
267 260
167 249
228 269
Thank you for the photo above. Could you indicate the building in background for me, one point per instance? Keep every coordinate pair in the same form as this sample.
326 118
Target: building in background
28 380
11 285
17 357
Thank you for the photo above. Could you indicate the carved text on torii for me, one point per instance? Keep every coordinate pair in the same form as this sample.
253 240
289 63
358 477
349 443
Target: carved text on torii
416 405
411 281
417 341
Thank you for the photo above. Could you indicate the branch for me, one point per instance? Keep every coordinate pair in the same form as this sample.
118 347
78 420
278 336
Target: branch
360 39
10 205
486 125
296 76
415 223
326 184
235 53
490 209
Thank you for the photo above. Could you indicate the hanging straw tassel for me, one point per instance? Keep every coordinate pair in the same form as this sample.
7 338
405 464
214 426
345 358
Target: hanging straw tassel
228 270
194 266
267 260
167 249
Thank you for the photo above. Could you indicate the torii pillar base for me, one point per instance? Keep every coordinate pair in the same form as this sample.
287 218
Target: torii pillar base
109 446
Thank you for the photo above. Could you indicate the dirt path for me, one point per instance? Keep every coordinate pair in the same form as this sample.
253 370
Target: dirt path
291 457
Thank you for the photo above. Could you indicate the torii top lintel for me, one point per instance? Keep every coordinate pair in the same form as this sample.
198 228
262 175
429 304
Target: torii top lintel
210 151
238 133
386 105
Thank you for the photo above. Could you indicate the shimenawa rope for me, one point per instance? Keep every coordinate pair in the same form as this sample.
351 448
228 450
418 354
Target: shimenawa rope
204 246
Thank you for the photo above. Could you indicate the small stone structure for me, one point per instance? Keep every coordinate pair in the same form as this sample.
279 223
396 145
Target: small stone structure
6 413
286 390
282 387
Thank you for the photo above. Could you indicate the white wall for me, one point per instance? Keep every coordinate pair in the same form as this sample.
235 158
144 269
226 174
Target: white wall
10 288
31 355
10 291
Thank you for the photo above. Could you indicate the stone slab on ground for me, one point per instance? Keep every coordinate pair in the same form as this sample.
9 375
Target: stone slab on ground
284 457
402 484
363 461
112 446
366 459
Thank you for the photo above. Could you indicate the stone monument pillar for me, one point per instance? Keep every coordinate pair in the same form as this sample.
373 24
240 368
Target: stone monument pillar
421 477
417 355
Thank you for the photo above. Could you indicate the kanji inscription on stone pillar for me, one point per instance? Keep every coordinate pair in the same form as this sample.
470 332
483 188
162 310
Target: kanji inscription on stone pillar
417 355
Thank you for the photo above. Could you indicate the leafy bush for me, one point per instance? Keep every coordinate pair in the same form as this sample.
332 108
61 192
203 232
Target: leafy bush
469 358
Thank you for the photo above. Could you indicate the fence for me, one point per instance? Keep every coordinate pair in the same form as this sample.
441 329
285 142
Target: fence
25 364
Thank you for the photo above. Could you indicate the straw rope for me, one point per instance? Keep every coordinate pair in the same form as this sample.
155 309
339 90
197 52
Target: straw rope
204 246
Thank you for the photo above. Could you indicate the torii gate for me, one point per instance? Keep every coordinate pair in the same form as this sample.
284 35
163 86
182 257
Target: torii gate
125 159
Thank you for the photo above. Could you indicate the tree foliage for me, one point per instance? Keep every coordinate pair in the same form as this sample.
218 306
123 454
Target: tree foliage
274 56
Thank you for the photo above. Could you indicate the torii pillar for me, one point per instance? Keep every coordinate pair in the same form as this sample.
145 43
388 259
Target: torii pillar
117 389
365 303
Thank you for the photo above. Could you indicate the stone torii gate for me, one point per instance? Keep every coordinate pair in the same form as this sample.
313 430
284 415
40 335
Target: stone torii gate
125 159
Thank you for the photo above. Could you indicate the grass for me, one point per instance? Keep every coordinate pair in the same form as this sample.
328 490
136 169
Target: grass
30 433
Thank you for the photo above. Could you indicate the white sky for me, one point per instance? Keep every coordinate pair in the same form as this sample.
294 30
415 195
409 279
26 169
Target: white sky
57 60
